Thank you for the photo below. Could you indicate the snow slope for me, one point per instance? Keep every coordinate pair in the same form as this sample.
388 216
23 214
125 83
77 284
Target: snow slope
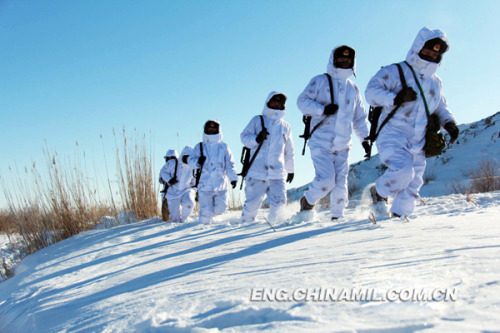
156 277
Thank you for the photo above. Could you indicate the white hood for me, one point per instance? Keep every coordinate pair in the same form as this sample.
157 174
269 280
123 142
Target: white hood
426 68
171 152
272 113
340 73
187 150
213 138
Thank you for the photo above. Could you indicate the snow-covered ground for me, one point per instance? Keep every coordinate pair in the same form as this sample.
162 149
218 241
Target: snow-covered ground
10 253
152 276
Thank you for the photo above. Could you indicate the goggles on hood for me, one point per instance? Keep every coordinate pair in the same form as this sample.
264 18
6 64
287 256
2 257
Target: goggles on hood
436 47
279 99
211 127
343 57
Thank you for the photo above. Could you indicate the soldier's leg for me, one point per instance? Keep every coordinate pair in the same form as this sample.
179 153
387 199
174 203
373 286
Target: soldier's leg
254 194
220 202
187 204
339 195
277 199
399 173
174 207
324 179
206 201
404 201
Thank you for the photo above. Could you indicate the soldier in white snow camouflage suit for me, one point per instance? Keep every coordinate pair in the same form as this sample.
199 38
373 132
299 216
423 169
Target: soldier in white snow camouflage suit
274 161
331 142
400 143
180 193
217 165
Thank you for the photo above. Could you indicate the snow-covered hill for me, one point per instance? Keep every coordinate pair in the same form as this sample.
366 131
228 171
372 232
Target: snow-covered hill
478 141
156 277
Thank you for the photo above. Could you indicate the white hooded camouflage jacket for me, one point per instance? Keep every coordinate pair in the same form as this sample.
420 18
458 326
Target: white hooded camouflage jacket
219 163
410 120
276 157
334 134
185 179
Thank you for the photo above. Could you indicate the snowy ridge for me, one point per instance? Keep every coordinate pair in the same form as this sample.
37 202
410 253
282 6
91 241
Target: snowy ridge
477 141
156 277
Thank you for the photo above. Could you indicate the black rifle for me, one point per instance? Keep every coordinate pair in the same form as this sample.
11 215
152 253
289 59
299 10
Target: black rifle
307 119
197 172
165 188
246 159
166 185
307 131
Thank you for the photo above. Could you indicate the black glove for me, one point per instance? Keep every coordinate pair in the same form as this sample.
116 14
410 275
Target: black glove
173 181
233 183
185 159
366 147
330 109
201 160
261 136
289 178
452 129
405 95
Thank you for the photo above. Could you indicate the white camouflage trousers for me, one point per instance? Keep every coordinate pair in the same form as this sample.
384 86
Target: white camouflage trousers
331 171
255 190
212 203
181 207
404 176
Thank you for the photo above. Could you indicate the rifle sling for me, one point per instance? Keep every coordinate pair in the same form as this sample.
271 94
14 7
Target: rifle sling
420 89
175 170
403 84
331 98
258 148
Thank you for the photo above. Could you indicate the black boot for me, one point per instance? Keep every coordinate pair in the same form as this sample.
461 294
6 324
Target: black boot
375 196
304 205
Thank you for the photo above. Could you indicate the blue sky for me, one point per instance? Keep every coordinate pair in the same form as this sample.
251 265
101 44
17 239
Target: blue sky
73 70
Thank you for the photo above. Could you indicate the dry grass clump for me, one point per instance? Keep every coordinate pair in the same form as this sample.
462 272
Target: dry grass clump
46 207
63 198
484 178
235 201
138 187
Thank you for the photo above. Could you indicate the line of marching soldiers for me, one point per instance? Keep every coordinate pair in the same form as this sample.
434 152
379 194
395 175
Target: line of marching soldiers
408 109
